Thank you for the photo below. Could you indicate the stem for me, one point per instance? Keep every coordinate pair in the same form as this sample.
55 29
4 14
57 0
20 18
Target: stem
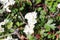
1 6
23 19
56 12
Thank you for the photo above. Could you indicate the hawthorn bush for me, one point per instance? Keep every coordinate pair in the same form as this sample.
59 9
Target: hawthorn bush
30 20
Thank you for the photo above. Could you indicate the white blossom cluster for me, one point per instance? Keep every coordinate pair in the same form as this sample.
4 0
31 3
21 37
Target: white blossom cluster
31 19
6 4
3 23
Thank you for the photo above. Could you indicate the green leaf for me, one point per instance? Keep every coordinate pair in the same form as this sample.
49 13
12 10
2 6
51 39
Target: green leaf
52 26
39 9
16 10
38 1
14 17
53 36
29 3
42 31
17 23
30 37
55 4
13 11
47 27
53 9
50 3
58 32
21 8
58 0
11 30
49 36
49 21
9 25
43 12
45 34
21 23
17 1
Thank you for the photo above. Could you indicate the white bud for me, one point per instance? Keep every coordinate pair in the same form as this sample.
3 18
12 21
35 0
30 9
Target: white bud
58 5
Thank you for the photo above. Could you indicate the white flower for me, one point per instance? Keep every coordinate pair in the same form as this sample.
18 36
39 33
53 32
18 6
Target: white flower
34 14
58 5
31 19
31 31
8 10
31 15
28 29
6 4
3 1
3 23
12 2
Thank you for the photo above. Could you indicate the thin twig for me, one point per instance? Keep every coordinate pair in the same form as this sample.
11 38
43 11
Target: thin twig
16 32
56 12
1 6
23 19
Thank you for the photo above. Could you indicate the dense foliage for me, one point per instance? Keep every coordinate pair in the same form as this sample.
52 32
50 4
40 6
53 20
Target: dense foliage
47 26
